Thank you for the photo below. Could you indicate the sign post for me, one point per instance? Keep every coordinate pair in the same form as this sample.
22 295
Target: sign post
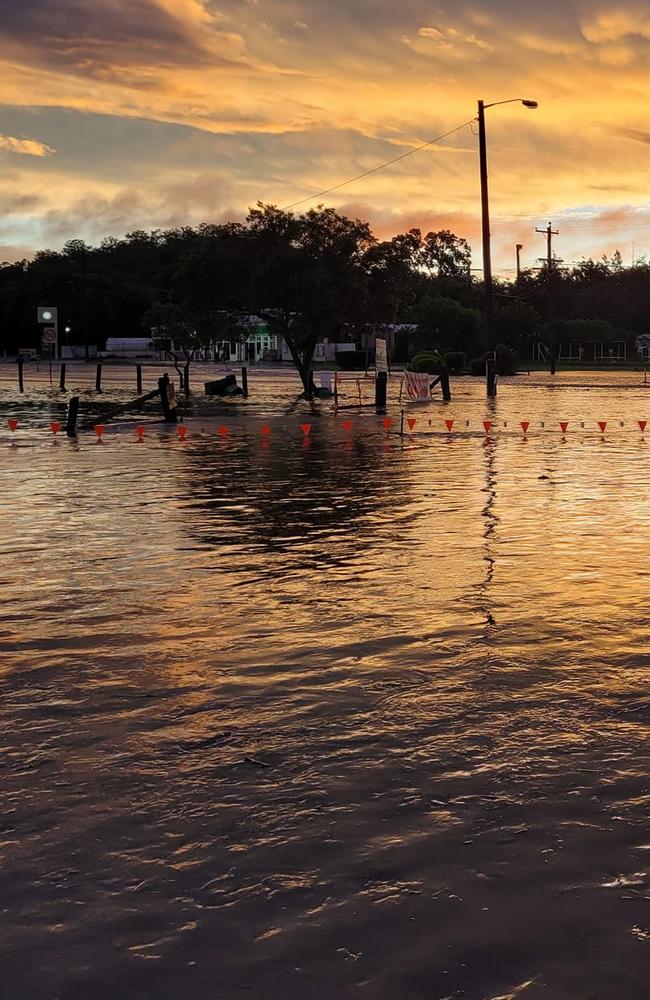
48 320
381 355
48 343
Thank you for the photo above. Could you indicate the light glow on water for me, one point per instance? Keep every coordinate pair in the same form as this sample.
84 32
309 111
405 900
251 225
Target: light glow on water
366 717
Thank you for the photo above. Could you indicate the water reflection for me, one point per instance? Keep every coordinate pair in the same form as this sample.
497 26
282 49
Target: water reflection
357 716
318 498
491 521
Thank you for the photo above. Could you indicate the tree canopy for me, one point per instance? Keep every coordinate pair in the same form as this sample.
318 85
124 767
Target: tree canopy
309 276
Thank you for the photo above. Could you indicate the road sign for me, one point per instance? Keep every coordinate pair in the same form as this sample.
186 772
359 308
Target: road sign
381 355
47 314
49 335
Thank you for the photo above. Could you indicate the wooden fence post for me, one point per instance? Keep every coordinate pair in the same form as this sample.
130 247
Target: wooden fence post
62 377
21 380
71 421
168 413
98 379
244 381
381 388
138 378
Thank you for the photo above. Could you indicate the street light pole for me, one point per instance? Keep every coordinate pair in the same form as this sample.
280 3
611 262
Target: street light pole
490 366
518 247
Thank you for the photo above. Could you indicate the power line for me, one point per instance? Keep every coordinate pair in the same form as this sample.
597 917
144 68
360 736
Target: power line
380 166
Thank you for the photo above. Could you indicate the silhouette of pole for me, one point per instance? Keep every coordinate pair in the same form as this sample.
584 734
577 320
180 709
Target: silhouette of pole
518 247
490 364
549 232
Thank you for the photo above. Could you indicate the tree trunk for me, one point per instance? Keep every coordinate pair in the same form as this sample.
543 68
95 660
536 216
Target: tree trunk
303 362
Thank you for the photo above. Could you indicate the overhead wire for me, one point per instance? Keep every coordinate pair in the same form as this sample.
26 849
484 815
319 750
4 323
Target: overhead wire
380 166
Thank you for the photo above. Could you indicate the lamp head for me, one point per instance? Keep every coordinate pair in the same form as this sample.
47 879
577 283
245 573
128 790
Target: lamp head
530 104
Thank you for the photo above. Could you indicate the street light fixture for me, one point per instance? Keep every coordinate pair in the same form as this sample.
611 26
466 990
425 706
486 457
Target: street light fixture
490 368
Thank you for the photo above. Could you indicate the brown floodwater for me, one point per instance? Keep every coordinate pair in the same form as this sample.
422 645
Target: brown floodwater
358 717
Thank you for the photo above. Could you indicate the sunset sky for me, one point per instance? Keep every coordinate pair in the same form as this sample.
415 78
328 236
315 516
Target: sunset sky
125 114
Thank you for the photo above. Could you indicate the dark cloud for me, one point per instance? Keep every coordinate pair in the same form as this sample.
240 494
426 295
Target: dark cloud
103 37
633 133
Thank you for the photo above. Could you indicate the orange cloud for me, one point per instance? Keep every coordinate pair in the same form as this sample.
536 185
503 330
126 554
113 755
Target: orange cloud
26 147
294 96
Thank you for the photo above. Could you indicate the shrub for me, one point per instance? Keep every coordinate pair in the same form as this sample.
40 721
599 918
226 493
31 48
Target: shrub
429 362
506 360
456 362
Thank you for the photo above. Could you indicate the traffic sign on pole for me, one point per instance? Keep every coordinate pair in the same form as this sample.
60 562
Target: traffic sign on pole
47 315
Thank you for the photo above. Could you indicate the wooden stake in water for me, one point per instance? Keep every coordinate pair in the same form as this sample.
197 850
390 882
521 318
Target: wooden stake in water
71 421
168 413
62 377
21 380
98 379
381 388
138 378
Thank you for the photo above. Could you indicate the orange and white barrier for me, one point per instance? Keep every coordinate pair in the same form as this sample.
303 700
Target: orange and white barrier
418 386
447 427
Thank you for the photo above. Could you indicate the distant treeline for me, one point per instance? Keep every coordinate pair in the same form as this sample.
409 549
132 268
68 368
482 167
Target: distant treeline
314 275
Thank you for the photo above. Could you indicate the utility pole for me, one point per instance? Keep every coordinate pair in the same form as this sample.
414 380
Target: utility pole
490 364
518 248
84 302
549 232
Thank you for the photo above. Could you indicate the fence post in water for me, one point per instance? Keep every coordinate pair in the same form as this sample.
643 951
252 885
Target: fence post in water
98 379
381 385
244 381
62 377
186 380
21 380
168 413
401 425
71 421
444 385
138 378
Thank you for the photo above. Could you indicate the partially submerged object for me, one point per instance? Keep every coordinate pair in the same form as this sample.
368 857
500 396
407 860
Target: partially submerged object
226 386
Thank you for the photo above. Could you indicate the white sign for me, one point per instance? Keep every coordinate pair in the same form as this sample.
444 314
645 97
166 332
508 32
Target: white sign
46 314
49 335
381 355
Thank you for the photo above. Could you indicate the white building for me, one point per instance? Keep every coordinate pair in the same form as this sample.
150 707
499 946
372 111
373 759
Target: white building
129 347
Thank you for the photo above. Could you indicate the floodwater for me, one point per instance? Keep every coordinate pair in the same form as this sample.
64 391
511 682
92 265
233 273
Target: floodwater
359 716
